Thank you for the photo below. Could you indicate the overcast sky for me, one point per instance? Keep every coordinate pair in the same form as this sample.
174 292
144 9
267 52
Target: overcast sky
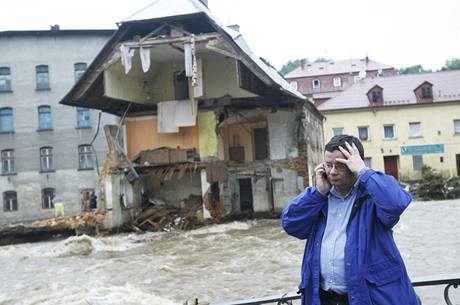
395 32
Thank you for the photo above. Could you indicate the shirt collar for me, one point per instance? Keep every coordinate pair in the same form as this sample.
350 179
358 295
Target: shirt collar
353 190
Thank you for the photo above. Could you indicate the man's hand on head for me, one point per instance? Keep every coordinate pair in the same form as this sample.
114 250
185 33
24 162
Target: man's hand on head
352 158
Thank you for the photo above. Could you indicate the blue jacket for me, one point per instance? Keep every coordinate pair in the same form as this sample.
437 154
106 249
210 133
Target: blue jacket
374 270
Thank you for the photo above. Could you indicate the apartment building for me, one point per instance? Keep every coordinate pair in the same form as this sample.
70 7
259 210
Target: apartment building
47 149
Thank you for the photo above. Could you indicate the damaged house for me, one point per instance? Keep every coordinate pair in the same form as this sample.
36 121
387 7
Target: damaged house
200 116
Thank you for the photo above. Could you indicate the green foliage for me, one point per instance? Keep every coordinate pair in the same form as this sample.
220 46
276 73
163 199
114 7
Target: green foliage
451 64
434 187
412 70
291 65
322 59
431 186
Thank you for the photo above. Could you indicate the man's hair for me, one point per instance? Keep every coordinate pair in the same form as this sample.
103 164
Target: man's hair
340 140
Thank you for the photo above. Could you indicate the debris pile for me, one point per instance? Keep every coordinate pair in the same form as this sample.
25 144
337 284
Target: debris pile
160 217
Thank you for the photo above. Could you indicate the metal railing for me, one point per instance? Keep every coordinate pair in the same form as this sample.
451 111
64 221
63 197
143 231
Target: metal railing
450 280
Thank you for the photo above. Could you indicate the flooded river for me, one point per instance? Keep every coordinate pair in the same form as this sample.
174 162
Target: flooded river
216 263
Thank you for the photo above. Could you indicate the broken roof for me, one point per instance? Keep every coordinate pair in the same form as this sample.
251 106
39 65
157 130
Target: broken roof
397 90
337 67
165 10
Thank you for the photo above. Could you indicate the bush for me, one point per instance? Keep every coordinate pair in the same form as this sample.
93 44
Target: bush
434 187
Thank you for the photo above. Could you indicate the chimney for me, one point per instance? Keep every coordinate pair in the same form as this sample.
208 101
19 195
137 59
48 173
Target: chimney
302 64
205 2
54 27
367 60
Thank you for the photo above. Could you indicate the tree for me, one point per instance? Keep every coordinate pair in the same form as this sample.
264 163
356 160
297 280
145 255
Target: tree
291 65
451 64
322 59
412 70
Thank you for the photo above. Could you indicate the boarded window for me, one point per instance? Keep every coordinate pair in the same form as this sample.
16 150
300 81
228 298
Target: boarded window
415 130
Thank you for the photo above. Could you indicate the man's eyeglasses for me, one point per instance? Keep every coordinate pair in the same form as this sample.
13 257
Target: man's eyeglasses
340 167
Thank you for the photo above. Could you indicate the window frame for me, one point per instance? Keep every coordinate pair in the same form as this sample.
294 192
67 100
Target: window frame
83 112
79 69
367 132
337 82
6 118
42 73
45 113
5 75
377 96
394 131
367 162
84 156
47 198
417 162
337 128
46 157
427 93
7 156
411 135
313 83
457 127
12 197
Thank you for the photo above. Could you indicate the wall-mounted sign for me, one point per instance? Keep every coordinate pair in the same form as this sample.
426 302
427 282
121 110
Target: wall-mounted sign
422 149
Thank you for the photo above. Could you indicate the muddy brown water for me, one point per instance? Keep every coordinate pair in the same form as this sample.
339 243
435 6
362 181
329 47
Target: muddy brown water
216 263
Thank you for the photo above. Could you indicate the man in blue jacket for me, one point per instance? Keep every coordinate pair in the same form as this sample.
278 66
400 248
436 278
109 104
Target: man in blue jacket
350 256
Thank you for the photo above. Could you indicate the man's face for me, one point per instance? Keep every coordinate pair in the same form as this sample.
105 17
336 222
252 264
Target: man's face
338 173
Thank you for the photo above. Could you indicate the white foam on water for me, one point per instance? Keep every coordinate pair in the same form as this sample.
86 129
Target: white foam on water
223 228
113 295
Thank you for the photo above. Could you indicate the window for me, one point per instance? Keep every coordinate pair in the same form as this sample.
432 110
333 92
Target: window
377 96
47 198
44 117
83 117
367 162
316 83
414 129
356 79
337 81
10 201
337 131
80 69
5 79
417 162
363 133
457 126
46 159
85 157
427 93
43 81
6 119
8 161
293 85
389 131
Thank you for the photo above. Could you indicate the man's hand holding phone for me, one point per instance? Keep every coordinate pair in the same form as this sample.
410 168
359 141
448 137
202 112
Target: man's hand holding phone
322 183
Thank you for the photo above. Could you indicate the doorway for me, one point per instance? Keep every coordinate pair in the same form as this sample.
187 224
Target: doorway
84 199
391 166
246 200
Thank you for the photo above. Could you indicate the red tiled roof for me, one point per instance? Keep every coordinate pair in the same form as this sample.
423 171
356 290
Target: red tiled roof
398 90
336 67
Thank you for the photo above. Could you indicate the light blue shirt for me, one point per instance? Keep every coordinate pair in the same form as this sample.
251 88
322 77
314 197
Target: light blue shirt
334 239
